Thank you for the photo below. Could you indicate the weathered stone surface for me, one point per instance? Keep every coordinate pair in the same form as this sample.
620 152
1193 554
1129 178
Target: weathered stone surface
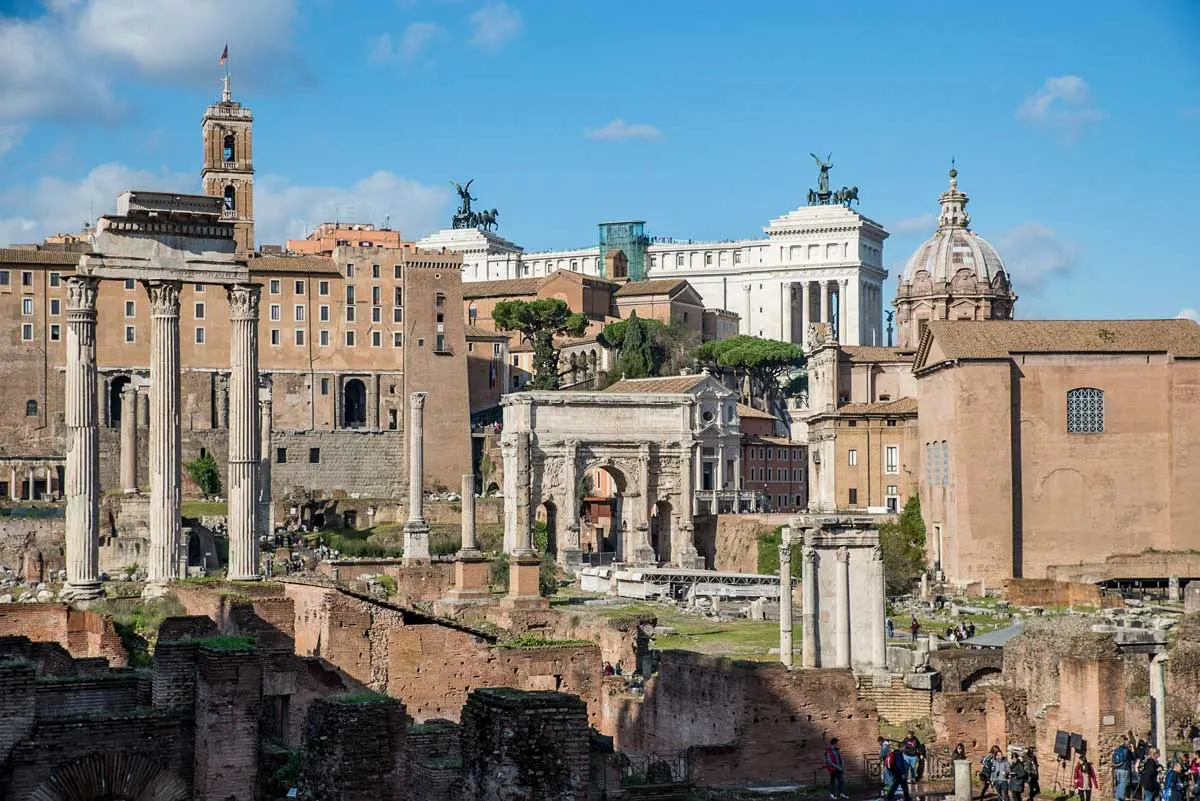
354 750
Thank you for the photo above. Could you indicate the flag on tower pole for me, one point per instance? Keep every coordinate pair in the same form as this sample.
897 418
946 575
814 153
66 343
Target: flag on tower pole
224 56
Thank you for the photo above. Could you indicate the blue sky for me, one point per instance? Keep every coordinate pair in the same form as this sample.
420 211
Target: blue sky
1076 127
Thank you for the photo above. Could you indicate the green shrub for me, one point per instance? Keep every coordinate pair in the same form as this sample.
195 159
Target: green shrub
207 475
388 583
498 573
768 553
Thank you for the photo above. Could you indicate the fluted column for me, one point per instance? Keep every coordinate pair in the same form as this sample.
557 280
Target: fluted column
841 626
684 548
165 476
810 651
569 553
243 430
806 305
416 530
129 483
83 444
14 492
785 317
825 316
265 517
878 611
785 596
843 312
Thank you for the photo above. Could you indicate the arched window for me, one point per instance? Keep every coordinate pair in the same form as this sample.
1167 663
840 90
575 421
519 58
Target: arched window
945 464
472 314
1085 411
928 466
31 408
230 198
227 150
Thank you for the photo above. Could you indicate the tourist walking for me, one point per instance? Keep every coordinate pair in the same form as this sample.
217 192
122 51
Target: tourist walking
1031 768
912 748
1018 775
914 627
891 629
1148 780
1085 779
1000 772
985 771
1175 783
885 773
899 770
1122 760
837 770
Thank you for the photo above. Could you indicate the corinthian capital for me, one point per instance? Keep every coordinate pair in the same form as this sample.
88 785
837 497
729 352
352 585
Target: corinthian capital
243 301
164 298
416 400
81 293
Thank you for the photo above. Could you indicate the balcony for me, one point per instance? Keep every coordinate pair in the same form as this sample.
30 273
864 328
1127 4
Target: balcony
729 501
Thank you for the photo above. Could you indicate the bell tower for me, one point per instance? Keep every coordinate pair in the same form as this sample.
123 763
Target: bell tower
228 170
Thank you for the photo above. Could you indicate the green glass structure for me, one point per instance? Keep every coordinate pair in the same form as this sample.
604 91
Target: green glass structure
630 237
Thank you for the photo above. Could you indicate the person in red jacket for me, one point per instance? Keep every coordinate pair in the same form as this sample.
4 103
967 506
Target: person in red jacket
837 770
1085 779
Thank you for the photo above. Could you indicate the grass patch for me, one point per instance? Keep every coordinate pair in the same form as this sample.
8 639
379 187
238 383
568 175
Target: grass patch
223 642
358 699
358 543
137 622
533 641
198 509
388 583
768 553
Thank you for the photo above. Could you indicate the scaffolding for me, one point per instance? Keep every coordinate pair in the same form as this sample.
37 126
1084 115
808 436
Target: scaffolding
630 238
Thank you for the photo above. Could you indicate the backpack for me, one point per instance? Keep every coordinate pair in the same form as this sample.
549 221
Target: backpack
1120 756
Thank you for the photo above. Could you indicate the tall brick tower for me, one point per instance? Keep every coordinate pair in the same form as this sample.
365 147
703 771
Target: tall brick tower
228 170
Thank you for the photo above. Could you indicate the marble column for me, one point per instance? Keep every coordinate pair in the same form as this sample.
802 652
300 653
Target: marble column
685 553
265 518
810 651
569 553
785 597
14 489
644 552
416 530
468 547
806 305
165 475
825 316
523 564
746 300
785 318
878 612
841 626
83 444
129 483
243 418
842 312
470 566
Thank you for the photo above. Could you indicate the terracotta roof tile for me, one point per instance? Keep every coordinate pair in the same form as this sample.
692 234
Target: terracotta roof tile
998 339
868 353
309 265
753 440
30 256
474 332
672 384
898 406
501 289
749 411
661 286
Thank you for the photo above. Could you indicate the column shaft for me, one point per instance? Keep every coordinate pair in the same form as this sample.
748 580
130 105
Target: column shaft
824 315
842 313
785 319
243 417
879 614
265 517
14 493
785 597
416 531
165 475
746 301
806 305
842 599
129 440
810 654
83 443
468 515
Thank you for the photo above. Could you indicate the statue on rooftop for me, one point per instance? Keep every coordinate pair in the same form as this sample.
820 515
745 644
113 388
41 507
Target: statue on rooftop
823 165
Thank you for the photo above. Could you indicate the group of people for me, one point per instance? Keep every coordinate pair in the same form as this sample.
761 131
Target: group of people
1013 778
1141 774
963 631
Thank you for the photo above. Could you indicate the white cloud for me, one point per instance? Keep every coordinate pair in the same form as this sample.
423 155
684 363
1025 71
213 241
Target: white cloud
10 136
283 210
619 129
1063 103
64 63
922 223
495 24
412 43
1033 252
1188 314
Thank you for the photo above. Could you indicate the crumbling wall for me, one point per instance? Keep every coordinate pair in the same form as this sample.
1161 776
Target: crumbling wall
81 632
524 745
752 721
960 669
354 750
33 547
1048 592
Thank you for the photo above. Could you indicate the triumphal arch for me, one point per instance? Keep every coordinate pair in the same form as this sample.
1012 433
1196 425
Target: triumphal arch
161 241
610 472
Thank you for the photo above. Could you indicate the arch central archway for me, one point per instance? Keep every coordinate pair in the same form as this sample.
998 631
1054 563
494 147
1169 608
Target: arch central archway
112 777
547 515
601 519
661 531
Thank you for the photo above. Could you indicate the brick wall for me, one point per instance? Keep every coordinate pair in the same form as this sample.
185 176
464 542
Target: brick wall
524 745
354 750
960 668
227 713
754 721
896 702
81 632
36 542
1047 592
174 688
99 694
47 658
17 705
366 462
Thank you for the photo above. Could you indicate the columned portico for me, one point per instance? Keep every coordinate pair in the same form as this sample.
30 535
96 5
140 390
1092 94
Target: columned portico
165 475
83 444
243 431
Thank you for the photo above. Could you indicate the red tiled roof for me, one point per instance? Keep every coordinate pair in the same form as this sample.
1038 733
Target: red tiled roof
673 384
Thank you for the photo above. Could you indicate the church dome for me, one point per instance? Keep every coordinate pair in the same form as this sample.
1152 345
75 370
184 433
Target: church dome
954 247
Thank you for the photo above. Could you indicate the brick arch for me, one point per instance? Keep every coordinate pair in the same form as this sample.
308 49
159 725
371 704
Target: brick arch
979 675
112 777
